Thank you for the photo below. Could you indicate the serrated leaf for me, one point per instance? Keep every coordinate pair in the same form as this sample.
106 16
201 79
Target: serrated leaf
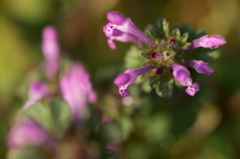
160 29
184 37
153 81
164 88
176 34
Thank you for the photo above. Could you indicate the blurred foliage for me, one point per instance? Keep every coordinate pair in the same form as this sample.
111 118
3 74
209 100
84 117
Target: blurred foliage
182 127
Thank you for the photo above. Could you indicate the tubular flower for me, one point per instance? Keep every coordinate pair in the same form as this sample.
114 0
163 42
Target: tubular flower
50 50
28 133
37 91
181 74
123 29
128 78
208 42
76 89
200 67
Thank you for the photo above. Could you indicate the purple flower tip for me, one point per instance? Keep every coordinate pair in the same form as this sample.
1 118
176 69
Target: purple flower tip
115 17
181 74
122 79
192 89
208 42
200 67
128 78
50 50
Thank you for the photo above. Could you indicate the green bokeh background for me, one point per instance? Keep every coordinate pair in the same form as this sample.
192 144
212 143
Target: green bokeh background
214 133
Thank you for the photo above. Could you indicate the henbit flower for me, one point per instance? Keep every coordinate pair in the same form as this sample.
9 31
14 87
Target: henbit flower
206 41
37 91
76 89
192 89
124 30
28 133
50 50
129 77
200 66
181 74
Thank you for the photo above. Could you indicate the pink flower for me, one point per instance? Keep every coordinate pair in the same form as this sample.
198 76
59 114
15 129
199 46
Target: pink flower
128 78
208 42
200 67
181 74
50 50
76 89
37 91
28 132
123 29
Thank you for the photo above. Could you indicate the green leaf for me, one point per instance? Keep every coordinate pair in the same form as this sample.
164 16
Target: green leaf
160 29
153 81
184 37
146 54
61 115
176 34
205 54
164 87
132 58
55 115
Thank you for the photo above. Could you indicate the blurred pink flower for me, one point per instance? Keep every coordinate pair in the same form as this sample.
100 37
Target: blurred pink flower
76 89
37 91
50 50
28 133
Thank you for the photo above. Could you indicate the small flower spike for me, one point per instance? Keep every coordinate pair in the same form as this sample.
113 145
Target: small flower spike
181 74
76 89
123 29
200 67
128 78
28 133
192 89
37 91
208 42
50 50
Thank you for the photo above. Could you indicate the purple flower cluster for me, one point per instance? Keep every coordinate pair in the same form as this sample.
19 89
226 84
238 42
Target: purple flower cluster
123 29
75 88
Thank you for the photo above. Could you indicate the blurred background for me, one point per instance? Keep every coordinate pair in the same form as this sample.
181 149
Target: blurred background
204 127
